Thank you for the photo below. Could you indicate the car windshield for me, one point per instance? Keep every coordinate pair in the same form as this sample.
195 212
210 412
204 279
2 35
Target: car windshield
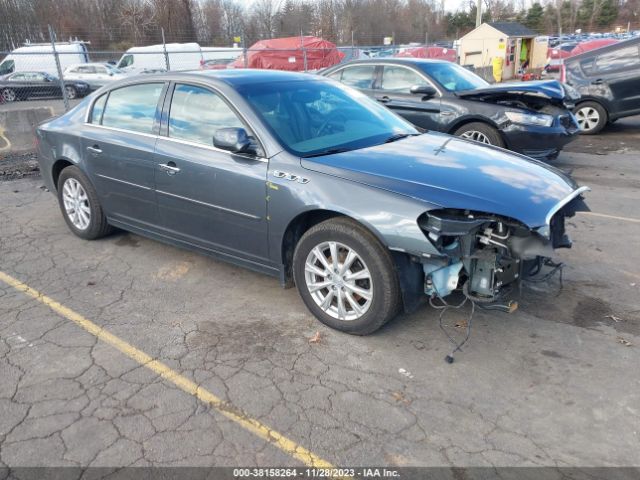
111 68
319 117
452 77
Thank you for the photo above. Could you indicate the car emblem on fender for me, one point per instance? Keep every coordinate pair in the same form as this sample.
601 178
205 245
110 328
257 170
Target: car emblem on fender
291 177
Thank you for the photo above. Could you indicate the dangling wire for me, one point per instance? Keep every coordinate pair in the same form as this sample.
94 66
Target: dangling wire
443 309
556 268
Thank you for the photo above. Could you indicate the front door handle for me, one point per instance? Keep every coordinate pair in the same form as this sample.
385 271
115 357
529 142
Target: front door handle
169 167
95 150
384 99
598 81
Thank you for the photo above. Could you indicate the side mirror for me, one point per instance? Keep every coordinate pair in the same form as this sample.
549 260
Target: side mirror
234 140
425 90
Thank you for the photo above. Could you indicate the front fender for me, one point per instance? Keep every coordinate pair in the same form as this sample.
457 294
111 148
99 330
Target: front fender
391 217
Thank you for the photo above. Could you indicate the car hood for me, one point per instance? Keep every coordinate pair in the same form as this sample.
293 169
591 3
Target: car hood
552 90
450 172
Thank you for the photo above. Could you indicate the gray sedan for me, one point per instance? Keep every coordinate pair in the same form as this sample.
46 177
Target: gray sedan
308 180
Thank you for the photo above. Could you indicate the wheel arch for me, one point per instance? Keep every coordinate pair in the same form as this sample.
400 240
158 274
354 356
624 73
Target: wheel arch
409 273
461 122
57 167
303 222
599 101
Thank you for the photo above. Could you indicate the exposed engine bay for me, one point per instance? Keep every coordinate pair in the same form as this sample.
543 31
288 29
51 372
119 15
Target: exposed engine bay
484 254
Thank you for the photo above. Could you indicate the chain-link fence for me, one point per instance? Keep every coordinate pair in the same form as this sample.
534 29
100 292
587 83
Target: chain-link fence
73 68
64 65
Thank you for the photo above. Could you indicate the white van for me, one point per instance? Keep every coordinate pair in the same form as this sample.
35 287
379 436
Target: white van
182 56
40 57
219 55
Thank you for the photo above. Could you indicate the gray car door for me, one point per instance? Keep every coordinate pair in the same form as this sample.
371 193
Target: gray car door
208 196
118 148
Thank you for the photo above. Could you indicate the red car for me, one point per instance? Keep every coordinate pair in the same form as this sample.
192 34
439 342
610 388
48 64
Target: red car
556 54
592 45
432 51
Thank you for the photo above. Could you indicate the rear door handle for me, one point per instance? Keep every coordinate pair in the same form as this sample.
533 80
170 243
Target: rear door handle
95 150
384 99
170 168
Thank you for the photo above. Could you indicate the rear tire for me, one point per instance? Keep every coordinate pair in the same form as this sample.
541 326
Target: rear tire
362 291
80 206
481 133
591 117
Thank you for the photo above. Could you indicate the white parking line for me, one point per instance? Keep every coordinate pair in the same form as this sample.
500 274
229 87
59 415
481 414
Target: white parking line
612 217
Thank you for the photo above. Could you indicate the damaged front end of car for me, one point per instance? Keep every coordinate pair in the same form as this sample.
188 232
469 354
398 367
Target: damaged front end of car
485 255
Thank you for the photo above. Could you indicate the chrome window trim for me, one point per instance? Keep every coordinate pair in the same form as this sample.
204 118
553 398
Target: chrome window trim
122 130
210 205
212 148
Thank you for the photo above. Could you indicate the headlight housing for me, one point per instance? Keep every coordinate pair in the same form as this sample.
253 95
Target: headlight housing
539 119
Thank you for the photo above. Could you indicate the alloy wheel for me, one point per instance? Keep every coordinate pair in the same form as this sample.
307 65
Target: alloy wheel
76 204
8 95
71 92
477 136
588 118
339 281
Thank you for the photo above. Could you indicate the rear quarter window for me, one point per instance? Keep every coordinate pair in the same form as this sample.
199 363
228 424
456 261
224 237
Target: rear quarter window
621 59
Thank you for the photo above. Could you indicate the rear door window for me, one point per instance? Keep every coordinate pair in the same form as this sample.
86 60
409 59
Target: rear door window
196 113
358 77
621 59
133 107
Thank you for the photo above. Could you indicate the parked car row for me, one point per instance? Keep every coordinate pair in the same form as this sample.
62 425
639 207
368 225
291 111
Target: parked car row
26 85
530 118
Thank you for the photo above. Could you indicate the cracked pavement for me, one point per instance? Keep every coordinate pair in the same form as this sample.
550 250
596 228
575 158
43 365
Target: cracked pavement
550 385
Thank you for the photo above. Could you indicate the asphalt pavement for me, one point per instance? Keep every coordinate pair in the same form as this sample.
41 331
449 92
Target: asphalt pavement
125 351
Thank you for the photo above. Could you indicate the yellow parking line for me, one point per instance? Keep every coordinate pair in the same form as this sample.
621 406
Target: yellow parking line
613 217
254 426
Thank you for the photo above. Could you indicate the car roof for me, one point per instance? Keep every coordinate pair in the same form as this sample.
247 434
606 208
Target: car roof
395 60
608 48
233 77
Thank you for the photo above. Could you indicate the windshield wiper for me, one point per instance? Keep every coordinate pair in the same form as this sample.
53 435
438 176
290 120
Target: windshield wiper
330 151
399 136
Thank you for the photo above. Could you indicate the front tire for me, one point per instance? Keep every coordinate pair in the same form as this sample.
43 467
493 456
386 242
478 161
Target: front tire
591 117
481 133
72 93
345 277
80 206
